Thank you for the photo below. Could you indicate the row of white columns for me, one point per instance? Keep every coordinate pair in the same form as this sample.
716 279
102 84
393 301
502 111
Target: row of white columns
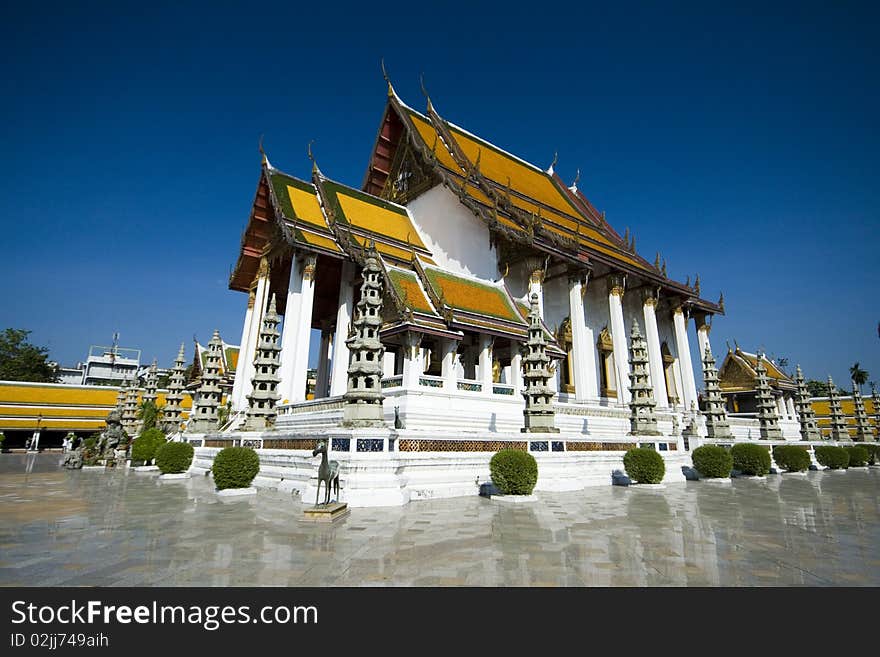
296 334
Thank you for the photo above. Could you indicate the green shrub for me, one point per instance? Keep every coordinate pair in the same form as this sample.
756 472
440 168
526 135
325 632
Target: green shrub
514 472
644 465
832 457
858 456
143 449
712 461
792 458
174 458
235 467
873 452
751 459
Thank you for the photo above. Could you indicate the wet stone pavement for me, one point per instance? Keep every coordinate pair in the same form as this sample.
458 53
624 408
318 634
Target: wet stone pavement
122 528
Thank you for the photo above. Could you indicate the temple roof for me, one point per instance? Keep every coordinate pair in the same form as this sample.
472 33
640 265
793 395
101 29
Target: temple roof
228 357
515 198
737 373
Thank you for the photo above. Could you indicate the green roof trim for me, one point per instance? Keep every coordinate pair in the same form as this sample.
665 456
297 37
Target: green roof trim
484 299
280 181
336 188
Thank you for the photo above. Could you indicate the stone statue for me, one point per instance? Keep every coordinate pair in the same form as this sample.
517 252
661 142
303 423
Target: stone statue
328 472
73 459
111 436
398 423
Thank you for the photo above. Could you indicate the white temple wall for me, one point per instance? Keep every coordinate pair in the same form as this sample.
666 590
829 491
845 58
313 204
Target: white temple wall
458 240
555 302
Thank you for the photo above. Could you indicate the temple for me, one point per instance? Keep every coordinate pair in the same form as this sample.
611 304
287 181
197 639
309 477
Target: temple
464 233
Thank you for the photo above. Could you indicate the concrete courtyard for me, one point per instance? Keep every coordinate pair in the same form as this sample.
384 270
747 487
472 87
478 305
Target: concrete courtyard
121 528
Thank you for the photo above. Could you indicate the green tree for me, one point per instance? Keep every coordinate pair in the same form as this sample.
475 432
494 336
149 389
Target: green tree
858 375
149 414
22 361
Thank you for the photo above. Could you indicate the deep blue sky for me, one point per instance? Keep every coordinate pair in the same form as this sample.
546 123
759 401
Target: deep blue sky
741 142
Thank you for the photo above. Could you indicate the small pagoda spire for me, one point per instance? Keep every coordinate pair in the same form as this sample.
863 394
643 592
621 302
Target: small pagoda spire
538 415
767 416
171 411
642 420
267 359
363 398
151 383
204 412
805 411
863 428
838 421
717 425
129 413
120 397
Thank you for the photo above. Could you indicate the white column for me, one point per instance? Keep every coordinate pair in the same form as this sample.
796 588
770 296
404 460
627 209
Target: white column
339 377
485 362
583 351
689 387
388 359
792 413
780 408
618 337
516 377
322 379
655 357
248 350
297 327
447 365
412 360
245 333
703 328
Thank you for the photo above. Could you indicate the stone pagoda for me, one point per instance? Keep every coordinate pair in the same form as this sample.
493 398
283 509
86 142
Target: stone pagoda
151 383
363 398
538 414
264 395
204 413
120 397
838 421
875 397
767 416
806 414
171 411
717 425
642 420
129 412
863 428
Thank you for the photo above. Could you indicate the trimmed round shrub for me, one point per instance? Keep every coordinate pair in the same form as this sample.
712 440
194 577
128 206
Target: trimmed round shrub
514 472
235 467
792 458
143 449
832 457
174 458
712 461
644 465
858 455
750 459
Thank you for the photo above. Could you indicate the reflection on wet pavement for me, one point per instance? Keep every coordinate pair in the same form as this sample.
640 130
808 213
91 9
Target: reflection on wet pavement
122 528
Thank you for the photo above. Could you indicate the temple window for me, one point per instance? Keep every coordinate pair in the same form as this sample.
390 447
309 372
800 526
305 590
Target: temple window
607 371
566 370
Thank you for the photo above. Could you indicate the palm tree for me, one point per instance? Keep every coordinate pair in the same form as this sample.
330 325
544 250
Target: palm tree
859 376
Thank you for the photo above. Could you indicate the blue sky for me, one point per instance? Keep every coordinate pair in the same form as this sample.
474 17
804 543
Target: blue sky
740 141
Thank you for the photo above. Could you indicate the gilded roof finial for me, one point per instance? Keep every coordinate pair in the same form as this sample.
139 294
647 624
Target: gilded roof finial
265 160
552 168
315 169
425 92
657 261
697 285
687 282
721 302
387 79
632 243
663 269
574 184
